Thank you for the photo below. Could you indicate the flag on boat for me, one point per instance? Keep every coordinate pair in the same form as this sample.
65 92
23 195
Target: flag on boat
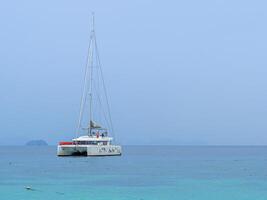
94 125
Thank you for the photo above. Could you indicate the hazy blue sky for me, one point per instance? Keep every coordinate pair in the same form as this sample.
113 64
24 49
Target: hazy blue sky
177 72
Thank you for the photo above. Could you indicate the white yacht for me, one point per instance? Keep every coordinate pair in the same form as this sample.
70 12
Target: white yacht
92 139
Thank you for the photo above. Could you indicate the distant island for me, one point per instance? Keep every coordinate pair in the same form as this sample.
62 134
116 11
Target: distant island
36 143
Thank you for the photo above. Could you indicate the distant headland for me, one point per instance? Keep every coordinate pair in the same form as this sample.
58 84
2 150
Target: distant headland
36 143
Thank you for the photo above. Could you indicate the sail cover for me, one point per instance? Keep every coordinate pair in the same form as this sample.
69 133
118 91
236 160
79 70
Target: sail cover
94 125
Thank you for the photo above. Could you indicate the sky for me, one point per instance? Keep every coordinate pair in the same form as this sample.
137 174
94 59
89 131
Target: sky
177 72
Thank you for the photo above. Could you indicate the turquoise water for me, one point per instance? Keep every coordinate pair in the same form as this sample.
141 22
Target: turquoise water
141 173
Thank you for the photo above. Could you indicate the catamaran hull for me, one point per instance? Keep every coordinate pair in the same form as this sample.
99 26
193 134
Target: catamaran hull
75 150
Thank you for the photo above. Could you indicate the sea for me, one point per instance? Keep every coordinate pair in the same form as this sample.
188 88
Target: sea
141 173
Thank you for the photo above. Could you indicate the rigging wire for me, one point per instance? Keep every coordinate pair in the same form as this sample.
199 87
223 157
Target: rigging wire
104 86
84 96
103 110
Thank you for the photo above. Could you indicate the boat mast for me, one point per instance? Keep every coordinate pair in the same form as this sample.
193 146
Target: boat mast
88 72
88 87
91 58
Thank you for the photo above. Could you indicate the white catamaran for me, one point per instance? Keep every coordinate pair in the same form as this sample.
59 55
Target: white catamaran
95 140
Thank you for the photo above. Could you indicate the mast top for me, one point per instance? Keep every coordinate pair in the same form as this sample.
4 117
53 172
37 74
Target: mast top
93 21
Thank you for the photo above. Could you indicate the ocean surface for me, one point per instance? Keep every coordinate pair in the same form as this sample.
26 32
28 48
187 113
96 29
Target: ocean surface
141 173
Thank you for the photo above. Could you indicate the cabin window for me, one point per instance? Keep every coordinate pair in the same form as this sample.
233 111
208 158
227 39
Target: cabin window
91 142
81 142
